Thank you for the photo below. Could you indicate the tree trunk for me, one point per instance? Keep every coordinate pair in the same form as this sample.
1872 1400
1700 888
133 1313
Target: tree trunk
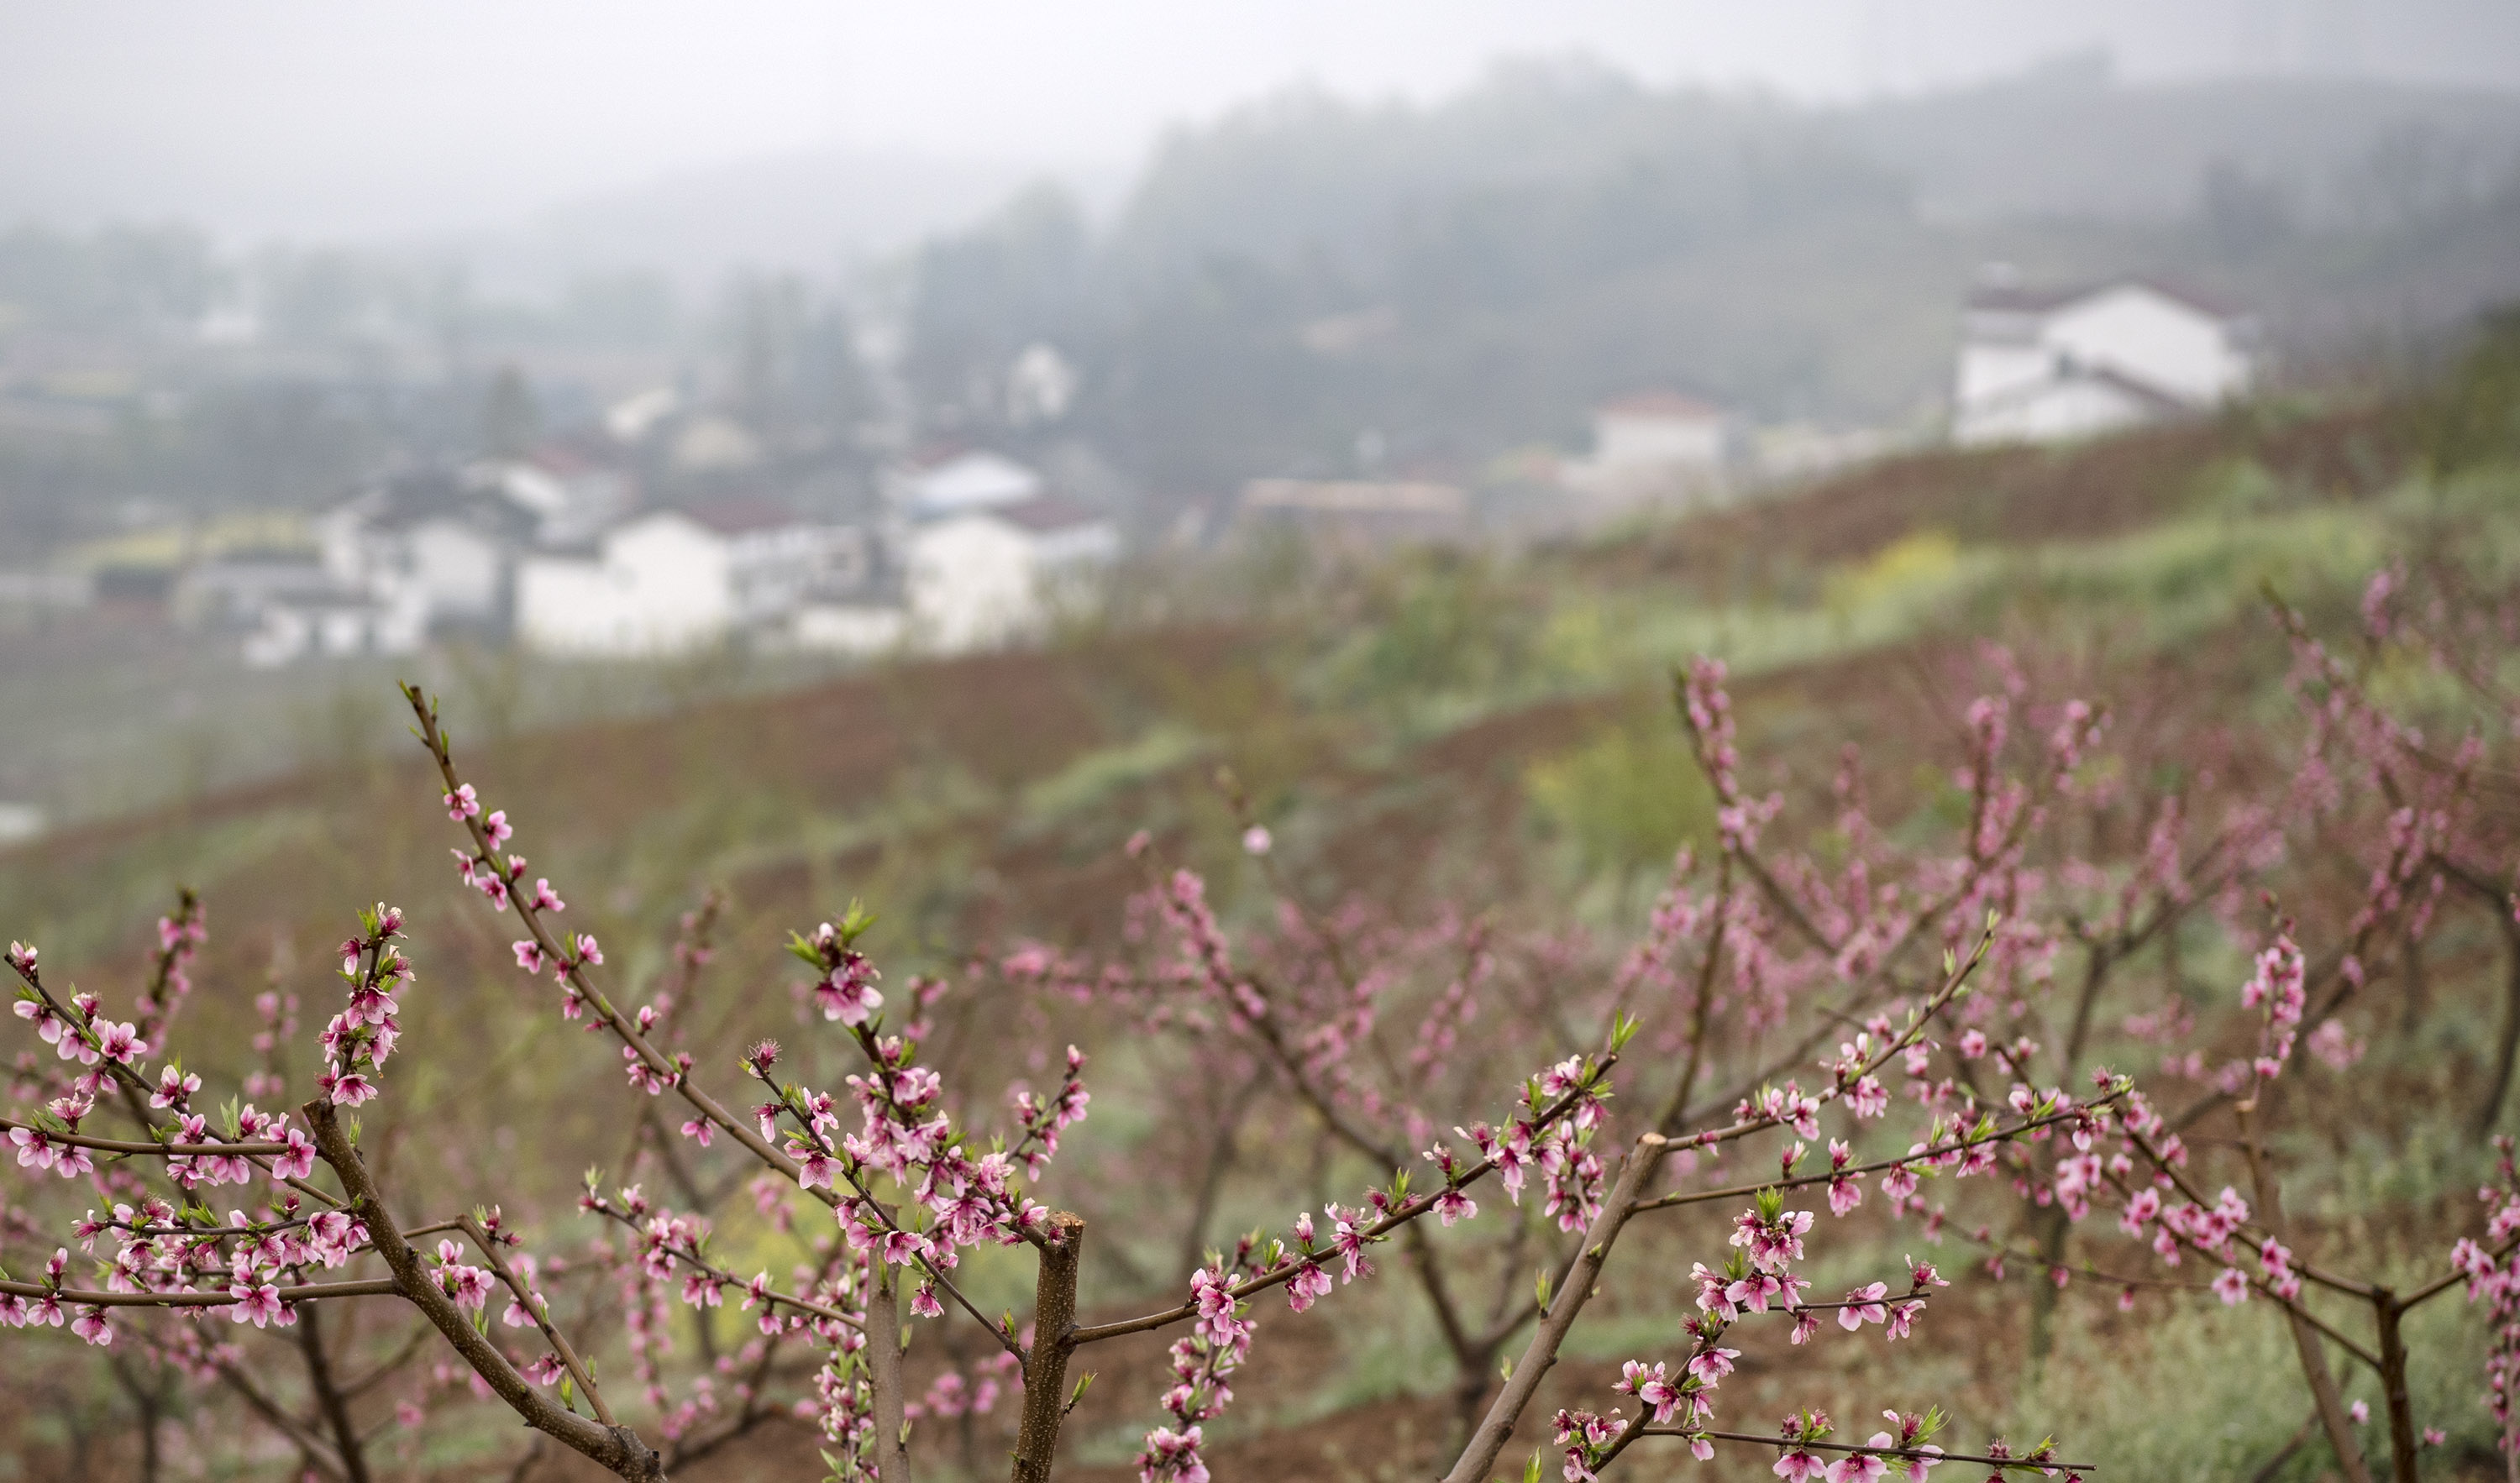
1541 1353
2393 1385
883 1369
1054 1324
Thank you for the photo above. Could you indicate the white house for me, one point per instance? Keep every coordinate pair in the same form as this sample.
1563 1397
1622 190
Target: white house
674 581
2049 366
332 626
1660 429
408 556
988 573
434 547
572 498
1654 445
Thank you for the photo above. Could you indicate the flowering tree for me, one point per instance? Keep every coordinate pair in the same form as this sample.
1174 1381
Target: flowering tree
2364 792
907 1192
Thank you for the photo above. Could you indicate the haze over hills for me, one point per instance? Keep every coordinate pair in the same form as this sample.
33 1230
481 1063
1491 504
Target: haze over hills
819 211
2069 138
1305 285
1311 166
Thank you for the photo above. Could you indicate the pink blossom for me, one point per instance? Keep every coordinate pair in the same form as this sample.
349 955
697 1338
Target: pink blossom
847 993
345 1088
175 1087
35 1151
1652 1389
119 1043
257 1305
1867 1309
1309 1284
300 1161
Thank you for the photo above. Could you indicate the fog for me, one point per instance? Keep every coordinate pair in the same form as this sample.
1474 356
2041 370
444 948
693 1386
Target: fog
294 118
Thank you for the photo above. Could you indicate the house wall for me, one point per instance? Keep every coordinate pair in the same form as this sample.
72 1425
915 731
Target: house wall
1628 441
973 581
661 586
2153 338
457 571
848 628
573 606
2054 412
770 571
1991 369
681 576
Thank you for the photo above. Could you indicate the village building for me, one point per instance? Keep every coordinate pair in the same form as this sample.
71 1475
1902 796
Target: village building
1655 447
989 574
2053 366
674 581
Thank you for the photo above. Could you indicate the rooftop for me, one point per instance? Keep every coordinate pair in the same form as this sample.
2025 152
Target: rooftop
1662 404
741 515
2015 298
1047 513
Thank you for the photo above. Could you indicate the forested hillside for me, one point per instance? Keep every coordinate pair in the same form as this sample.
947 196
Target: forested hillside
1462 278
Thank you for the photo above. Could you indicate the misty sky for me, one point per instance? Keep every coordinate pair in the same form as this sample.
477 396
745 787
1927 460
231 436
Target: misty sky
325 119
